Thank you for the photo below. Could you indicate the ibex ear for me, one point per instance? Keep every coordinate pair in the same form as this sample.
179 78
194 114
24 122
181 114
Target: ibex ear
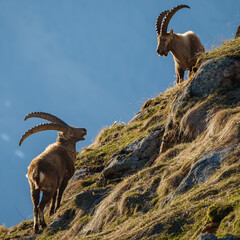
171 34
69 132
65 134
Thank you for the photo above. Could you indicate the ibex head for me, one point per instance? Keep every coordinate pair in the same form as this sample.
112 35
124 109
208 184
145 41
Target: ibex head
164 37
67 132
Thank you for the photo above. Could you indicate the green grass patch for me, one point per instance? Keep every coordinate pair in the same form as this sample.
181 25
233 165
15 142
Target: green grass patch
229 48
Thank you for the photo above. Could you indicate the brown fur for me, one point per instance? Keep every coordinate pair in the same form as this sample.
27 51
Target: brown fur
50 172
56 165
185 48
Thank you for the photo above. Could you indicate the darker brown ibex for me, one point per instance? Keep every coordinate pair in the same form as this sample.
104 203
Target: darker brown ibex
50 172
185 48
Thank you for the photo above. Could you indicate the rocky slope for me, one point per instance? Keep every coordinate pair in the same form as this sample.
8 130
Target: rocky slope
172 172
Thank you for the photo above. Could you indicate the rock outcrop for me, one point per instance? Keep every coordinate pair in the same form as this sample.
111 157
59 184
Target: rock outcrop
213 237
172 172
134 157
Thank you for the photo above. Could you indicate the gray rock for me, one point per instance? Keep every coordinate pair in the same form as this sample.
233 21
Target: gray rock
229 238
134 156
203 169
210 77
78 174
209 236
182 99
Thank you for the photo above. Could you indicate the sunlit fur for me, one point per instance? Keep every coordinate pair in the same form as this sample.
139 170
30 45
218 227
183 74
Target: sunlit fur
185 48
50 172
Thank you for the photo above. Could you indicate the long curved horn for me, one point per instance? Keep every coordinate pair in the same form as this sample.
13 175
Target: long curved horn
168 17
43 127
46 116
159 21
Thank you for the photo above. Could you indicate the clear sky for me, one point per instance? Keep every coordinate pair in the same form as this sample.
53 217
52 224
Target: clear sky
89 62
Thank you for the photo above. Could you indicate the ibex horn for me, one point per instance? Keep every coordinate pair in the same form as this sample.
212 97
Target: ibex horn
159 21
168 17
46 116
43 127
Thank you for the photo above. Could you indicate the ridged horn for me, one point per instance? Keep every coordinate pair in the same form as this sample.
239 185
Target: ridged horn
158 23
168 17
43 127
46 116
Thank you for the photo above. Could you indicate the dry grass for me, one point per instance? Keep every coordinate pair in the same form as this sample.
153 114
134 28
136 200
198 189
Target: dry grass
194 122
107 211
229 48
135 208
225 126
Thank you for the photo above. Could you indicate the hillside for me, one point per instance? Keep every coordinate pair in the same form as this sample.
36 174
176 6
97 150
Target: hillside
172 172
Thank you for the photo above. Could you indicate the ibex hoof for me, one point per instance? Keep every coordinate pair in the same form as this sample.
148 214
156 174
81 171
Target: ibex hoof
43 225
36 229
51 212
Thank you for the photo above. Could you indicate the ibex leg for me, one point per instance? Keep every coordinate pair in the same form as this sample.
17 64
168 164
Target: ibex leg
47 196
60 192
53 203
180 74
35 194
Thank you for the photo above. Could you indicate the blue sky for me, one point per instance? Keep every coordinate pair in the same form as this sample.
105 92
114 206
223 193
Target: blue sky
89 62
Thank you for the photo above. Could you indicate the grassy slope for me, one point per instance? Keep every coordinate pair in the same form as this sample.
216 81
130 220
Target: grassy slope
135 209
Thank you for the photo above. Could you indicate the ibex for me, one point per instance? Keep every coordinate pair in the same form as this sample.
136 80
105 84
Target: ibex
50 172
185 48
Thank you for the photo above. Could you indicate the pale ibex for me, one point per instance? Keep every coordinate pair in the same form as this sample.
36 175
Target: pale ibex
185 48
50 172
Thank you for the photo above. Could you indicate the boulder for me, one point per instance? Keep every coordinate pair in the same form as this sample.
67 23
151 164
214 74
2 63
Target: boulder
213 237
208 237
134 156
210 77
203 168
79 174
